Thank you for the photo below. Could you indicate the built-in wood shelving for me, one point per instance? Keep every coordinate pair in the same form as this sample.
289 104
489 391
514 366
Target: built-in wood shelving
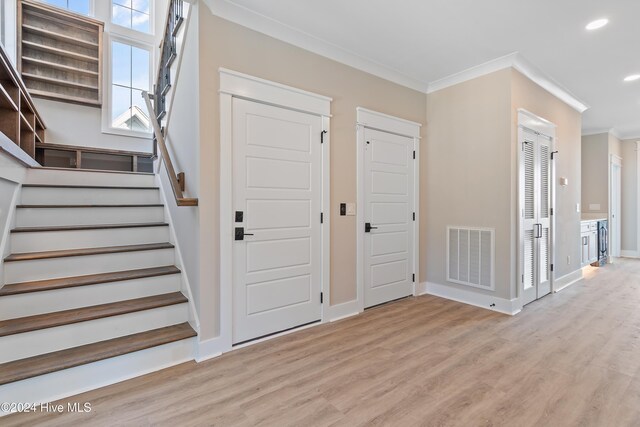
61 54
19 119
74 157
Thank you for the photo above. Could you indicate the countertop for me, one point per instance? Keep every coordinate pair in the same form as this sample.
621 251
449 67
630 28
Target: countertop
590 217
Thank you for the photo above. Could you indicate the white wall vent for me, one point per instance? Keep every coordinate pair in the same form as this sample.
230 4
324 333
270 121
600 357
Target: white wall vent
470 256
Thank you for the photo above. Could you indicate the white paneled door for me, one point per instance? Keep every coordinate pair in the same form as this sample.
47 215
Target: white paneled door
277 181
536 181
388 215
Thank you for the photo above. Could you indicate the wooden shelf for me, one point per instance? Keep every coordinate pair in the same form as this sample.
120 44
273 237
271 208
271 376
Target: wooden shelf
136 161
19 119
59 66
60 53
6 102
26 123
68 83
70 99
57 36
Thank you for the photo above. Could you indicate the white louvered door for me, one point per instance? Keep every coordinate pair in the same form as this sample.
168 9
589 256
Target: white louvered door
536 176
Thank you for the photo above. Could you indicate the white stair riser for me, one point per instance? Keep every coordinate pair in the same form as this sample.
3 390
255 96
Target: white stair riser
40 217
78 239
30 304
70 382
88 196
28 344
74 177
53 268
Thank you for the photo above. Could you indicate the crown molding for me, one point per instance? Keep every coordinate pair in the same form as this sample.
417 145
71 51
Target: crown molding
243 16
278 30
518 62
596 131
622 136
474 72
630 135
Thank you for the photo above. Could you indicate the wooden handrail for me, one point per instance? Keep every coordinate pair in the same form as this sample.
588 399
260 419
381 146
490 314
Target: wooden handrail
177 180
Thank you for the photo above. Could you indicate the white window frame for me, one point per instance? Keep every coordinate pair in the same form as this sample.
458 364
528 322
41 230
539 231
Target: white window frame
108 108
130 32
92 7
9 36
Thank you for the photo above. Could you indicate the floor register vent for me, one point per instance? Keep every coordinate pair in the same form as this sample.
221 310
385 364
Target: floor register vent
470 256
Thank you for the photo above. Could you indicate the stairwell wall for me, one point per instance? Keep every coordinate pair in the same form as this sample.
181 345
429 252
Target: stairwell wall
182 139
12 175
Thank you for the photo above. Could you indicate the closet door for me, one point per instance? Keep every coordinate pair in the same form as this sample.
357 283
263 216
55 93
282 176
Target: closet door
536 216
529 221
543 151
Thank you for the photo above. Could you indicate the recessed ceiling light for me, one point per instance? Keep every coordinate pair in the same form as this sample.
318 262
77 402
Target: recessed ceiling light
632 78
598 23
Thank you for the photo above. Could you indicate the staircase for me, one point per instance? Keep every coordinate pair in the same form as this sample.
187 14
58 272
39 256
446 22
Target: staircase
91 291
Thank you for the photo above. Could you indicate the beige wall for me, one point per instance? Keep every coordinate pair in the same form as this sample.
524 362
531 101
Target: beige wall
526 94
466 173
225 44
595 176
471 172
615 146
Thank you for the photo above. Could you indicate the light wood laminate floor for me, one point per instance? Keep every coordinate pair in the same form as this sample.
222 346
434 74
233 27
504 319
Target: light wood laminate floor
570 359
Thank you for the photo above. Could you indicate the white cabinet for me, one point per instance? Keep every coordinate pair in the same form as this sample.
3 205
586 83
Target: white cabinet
585 248
589 242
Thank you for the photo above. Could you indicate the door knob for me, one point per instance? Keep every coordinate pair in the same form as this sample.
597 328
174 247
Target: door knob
368 227
240 233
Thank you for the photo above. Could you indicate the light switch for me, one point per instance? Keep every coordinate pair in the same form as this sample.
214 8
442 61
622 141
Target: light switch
351 209
578 207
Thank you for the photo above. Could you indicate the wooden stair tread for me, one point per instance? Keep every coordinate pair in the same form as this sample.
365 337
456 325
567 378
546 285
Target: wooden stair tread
77 356
68 317
88 251
92 279
87 227
152 205
110 187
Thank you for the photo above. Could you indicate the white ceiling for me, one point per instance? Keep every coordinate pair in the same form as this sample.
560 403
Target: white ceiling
418 42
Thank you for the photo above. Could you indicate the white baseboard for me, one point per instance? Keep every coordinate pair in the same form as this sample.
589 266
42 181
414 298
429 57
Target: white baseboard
629 254
489 302
73 381
567 280
343 310
209 349
421 289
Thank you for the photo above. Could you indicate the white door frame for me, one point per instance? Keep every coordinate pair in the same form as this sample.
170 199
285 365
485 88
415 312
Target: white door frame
537 124
390 124
238 85
616 161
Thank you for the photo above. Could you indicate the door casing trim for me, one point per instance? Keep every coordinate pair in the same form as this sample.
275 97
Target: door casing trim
368 119
238 85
